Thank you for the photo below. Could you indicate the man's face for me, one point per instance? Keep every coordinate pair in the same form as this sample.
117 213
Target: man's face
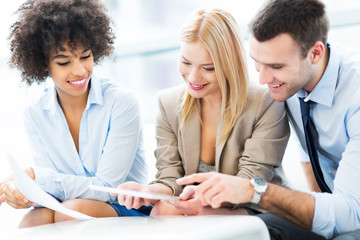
281 66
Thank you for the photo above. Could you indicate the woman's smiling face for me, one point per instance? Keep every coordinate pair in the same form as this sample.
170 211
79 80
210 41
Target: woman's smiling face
71 71
197 69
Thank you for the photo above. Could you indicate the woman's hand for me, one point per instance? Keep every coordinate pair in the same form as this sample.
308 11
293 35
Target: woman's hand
2 195
188 204
12 196
133 202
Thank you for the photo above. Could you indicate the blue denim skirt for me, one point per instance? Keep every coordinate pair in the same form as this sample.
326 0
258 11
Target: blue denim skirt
123 211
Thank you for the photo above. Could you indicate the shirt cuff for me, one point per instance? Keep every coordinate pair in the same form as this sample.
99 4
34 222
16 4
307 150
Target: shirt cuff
49 181
324 215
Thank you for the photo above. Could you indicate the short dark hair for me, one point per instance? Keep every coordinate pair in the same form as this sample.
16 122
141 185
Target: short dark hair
46 25
304 20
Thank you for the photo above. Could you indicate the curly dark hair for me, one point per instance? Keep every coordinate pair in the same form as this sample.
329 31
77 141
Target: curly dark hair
47 25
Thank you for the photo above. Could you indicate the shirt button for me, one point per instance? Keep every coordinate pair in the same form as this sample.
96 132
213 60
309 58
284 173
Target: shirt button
311 105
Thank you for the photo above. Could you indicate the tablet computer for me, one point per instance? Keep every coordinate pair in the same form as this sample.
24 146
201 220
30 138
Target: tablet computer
134 193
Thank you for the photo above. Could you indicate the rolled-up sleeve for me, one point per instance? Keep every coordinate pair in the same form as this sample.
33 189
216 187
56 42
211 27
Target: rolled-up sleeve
340 212
110 147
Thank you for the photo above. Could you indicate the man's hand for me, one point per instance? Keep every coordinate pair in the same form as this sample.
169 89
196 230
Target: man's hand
217 188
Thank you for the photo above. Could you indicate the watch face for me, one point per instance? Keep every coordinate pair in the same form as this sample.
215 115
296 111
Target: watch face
260 181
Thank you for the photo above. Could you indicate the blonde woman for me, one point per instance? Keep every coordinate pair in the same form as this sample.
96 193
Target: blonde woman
215 121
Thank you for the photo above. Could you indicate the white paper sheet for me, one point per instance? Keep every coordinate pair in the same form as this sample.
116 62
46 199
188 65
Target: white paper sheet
35 194
134 193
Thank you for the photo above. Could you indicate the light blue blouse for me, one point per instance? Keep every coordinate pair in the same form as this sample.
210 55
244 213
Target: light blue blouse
110 143
336 116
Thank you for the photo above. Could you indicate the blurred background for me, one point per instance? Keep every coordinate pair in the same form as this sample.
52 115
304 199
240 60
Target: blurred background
145 60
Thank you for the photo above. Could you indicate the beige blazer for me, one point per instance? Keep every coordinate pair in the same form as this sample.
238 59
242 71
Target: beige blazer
254 148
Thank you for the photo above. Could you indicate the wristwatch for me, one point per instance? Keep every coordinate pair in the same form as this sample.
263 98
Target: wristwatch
260 187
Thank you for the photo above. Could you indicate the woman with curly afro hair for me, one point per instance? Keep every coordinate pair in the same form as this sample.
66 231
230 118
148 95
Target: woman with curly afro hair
83 130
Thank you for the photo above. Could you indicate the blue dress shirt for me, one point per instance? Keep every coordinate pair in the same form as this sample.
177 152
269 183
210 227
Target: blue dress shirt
336 116
110 143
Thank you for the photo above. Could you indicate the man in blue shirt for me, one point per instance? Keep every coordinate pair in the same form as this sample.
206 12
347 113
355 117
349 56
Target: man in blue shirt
289 45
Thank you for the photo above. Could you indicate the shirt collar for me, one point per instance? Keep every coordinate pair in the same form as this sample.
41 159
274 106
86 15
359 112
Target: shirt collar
50 101
324 91
95 94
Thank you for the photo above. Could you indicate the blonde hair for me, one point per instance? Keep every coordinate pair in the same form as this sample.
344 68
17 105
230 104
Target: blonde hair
217 30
